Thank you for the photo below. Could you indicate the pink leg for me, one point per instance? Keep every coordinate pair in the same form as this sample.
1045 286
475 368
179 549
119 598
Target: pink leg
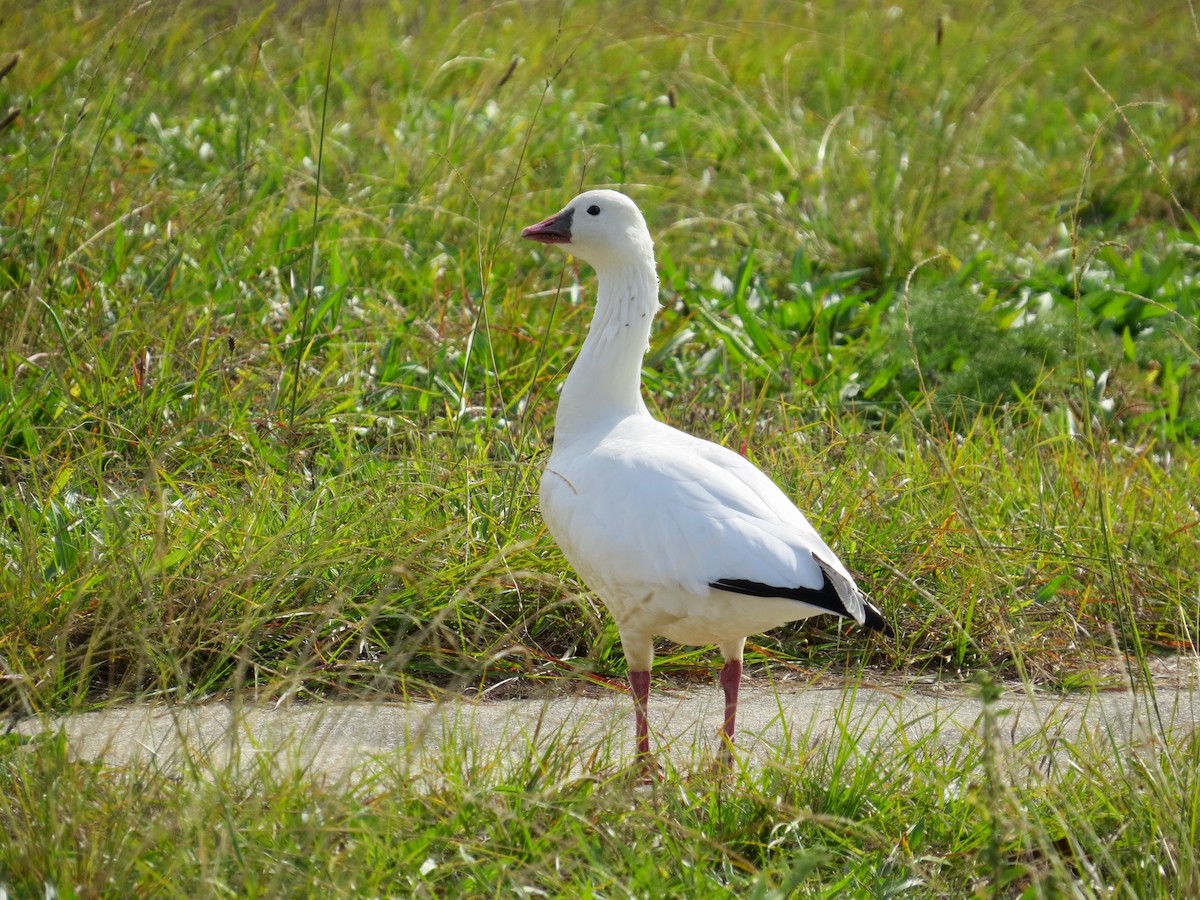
639 684
731 677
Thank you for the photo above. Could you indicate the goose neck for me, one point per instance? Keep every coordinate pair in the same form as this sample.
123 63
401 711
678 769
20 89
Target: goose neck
605 382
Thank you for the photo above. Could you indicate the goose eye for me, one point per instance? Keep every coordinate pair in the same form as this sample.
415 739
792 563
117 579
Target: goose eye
593 210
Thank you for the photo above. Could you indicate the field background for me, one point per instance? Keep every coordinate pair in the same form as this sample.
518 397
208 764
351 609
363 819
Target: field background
278 377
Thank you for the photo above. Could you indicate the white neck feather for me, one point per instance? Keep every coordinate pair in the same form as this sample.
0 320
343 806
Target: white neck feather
605 384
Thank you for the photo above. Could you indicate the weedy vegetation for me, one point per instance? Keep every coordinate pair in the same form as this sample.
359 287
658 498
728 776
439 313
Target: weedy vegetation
277 377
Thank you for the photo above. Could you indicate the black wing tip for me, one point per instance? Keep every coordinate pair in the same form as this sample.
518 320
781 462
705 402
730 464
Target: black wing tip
873 620
826 597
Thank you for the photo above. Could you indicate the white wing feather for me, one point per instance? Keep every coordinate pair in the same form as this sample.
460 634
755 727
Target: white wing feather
650 505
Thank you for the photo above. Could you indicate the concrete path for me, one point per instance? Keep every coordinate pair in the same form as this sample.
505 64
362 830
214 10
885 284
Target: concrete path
335 738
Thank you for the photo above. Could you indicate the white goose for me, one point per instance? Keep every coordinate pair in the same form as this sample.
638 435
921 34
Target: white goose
679 537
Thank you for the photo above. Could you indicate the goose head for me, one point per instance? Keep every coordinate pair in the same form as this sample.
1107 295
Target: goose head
603 228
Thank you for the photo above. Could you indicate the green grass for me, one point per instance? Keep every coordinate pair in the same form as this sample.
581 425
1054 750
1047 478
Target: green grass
278 375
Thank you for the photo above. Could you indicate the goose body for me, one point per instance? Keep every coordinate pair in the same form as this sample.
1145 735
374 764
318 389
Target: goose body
678 536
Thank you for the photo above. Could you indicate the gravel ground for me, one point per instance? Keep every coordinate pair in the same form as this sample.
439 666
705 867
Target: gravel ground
337 738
